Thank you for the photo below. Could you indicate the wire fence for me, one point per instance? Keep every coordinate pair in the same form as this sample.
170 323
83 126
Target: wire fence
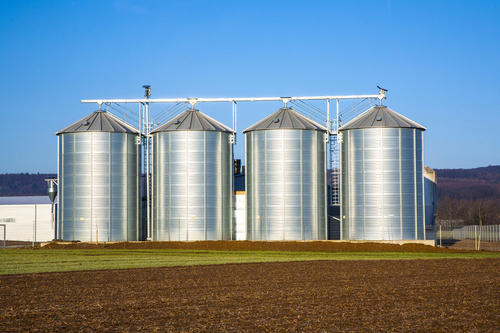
487 233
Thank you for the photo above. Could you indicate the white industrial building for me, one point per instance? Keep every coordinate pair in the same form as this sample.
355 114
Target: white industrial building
26 218
240 215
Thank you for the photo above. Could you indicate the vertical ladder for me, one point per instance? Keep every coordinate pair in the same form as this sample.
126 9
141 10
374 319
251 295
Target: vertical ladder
334 169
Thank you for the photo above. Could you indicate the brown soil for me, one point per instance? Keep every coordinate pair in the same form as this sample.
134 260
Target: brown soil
419 295
311 246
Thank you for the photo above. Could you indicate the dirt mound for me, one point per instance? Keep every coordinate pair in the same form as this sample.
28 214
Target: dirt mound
417 295
304 246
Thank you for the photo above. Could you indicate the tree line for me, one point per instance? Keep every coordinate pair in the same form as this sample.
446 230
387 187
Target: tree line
468 196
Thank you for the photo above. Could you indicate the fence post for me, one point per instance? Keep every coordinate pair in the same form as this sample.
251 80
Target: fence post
475 238
440 237
34 228
4 234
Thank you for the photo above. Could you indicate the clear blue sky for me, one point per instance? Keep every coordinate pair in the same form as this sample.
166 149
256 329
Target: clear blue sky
440 61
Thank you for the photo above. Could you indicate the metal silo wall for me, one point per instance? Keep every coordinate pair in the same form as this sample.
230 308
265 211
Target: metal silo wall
192 177
382 184
286 185
99 187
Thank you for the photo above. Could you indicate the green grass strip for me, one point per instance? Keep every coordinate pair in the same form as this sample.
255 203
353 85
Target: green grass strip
22 261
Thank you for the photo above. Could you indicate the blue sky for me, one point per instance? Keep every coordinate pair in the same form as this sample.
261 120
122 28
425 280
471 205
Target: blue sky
440 61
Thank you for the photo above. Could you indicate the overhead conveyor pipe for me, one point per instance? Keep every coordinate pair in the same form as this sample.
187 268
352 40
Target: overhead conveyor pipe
379 96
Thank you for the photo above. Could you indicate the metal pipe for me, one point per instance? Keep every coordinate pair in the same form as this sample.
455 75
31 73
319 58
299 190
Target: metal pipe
328 115
338 122
195 100
34 229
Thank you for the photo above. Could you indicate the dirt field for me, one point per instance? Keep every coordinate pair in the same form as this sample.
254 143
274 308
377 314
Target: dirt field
417 295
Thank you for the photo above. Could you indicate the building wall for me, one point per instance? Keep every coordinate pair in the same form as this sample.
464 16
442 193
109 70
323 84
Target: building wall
20 222
430 189
240 216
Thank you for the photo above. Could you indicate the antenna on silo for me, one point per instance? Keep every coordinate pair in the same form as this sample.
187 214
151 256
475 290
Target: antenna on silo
147 90
382 94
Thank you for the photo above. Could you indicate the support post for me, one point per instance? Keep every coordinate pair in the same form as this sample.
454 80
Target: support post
34 229
337 118
475 237
235 116
328 115
440 237
339 147
148 174
4 234
147 94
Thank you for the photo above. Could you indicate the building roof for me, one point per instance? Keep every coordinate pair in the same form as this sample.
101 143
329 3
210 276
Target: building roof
25 200
286 118
99 121
192 120
381 116
430 174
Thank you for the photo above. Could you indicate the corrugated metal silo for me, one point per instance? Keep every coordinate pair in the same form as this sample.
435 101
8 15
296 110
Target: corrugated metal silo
381 177
286 178
99 172
192 179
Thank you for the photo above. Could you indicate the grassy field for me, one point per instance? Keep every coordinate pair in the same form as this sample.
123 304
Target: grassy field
21 261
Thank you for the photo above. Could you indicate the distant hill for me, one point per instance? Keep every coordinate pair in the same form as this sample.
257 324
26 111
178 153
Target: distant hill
19 184
468 196
469 184
465 184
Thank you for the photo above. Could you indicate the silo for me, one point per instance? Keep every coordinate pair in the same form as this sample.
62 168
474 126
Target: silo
99 173
286 178
192 179
382 194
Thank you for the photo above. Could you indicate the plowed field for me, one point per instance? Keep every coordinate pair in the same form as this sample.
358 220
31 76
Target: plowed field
415 295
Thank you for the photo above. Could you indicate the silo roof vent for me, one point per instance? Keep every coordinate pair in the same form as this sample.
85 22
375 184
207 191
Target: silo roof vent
381 116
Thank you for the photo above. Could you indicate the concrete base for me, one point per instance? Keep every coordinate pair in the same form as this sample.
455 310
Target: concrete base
399 242
430 242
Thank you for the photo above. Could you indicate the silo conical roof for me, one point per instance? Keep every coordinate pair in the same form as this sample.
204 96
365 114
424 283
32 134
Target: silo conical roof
99 121
381 116
192 120
286 118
